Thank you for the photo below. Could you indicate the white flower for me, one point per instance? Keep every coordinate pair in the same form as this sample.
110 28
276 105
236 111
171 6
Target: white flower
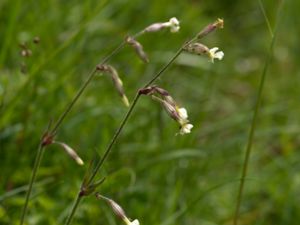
173 24
186 128
215 54
182 113
135 222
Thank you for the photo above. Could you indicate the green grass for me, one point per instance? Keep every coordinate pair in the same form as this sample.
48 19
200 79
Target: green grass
154 175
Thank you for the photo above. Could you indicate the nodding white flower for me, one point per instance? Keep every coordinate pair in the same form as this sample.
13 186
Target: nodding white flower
134 222
186 128
173 24
215 54
182 113
178 114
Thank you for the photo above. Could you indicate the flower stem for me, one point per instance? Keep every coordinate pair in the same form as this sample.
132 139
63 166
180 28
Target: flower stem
74 208
125 120
53 131
37 163
126 117
83 87
254 121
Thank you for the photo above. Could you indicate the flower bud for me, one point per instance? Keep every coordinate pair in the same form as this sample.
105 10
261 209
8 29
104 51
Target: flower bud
138 48
219 23
178 114
173 24
71 152
116 81
118 210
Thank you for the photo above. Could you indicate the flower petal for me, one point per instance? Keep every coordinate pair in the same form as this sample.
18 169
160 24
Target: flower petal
219 55
186 128
182 113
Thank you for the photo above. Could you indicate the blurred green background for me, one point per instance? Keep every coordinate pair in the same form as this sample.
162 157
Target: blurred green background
154 175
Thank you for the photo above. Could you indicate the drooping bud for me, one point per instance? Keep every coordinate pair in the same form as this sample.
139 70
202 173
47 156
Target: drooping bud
219 23
118 210
173 24
116 81
138 48
174 111
71 152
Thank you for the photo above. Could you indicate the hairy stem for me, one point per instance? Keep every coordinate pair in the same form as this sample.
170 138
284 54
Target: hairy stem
254 122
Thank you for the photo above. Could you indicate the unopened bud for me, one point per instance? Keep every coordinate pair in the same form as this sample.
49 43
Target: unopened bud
115 207
178 114
118 210
196 48
71 152
219 23
116 80
138 48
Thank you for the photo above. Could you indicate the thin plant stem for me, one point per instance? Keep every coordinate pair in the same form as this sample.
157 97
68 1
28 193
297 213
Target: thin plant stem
125 120
74 208
37 163
265 16
135 100
254 121
41 148
83 87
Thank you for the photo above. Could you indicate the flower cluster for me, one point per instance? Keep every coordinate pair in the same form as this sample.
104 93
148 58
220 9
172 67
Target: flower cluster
174 111
201 49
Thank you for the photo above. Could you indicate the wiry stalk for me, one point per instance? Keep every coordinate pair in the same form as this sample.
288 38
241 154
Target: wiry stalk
56 127
254 121
32 179
122 125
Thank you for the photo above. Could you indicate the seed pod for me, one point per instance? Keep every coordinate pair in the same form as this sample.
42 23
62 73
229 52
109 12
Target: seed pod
219 23
138 48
